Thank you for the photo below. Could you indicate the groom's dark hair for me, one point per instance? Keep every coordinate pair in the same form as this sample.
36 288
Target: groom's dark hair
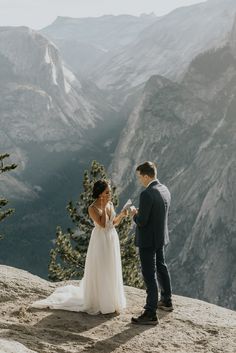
147 168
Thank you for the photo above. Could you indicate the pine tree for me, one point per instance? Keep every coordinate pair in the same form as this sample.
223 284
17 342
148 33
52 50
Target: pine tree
3 202
67 258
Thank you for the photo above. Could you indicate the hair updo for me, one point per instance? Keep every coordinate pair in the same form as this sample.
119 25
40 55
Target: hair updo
99 187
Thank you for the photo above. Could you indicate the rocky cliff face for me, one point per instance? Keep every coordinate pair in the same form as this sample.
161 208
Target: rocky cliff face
84 42
168 45
189 129
39 95
41 102
193 325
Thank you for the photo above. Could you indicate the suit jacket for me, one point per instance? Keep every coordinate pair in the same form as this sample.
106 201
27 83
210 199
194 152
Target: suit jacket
152 217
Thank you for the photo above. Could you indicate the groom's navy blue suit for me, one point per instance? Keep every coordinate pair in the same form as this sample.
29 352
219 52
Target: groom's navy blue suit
151 236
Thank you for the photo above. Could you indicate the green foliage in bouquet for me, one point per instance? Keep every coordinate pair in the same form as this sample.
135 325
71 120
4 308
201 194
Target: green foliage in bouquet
3 202
67 258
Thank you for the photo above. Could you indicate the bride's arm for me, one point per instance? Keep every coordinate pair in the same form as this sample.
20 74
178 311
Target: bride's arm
119 217
97 217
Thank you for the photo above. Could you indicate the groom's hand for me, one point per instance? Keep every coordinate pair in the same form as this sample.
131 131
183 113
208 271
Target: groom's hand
133 211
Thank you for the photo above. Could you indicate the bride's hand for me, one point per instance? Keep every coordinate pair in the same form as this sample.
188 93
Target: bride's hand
133 211
125 213
103 202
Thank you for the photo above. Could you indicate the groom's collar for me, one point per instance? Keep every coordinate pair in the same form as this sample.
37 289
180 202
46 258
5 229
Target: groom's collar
152 181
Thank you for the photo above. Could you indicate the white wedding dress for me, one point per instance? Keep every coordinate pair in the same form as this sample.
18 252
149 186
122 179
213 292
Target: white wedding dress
101 289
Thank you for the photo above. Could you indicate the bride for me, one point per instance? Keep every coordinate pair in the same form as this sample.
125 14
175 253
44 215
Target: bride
101 289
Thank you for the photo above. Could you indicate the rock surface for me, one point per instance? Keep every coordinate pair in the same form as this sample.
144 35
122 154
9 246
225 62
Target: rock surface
194 326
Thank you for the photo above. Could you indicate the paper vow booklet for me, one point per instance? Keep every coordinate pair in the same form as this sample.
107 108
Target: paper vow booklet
128 206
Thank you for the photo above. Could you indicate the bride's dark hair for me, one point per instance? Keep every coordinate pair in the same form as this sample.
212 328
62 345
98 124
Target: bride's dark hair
98 187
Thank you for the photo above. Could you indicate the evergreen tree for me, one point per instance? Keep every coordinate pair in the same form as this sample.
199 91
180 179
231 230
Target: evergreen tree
3 202
67 258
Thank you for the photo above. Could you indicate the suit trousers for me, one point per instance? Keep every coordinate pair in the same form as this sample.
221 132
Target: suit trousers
154 269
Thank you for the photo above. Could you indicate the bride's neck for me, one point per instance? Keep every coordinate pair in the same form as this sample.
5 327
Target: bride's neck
98 204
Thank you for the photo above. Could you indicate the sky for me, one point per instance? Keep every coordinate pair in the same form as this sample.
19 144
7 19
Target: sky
40 13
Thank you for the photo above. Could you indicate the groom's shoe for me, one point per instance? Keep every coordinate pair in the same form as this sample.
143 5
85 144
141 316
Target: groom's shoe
165 305
147 318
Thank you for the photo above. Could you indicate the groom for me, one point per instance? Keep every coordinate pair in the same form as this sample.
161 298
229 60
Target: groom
151 236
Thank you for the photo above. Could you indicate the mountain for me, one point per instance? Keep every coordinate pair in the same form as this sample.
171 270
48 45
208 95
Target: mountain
52 124
194 326
32 72
167 46
41 102
120 53
189 129
84 42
